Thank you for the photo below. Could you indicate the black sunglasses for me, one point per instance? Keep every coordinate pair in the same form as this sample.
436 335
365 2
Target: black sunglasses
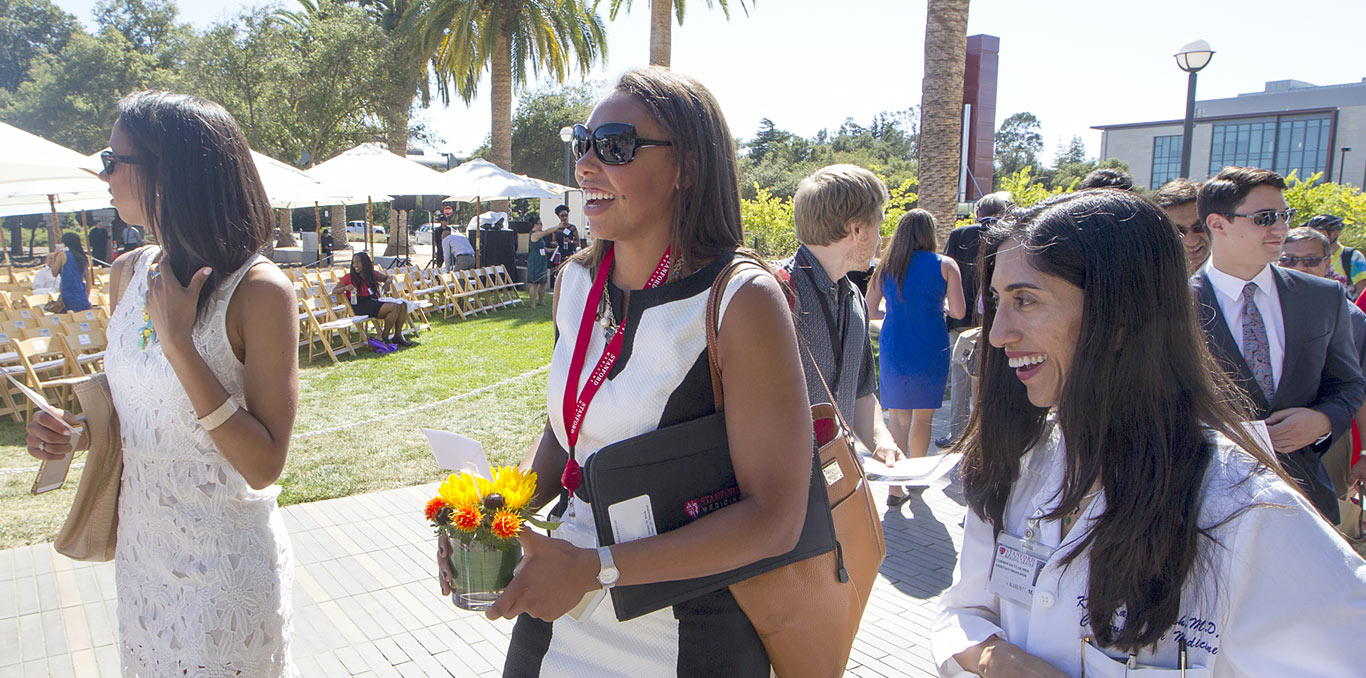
110 159
1198 229
614 142
1265 218
1291 261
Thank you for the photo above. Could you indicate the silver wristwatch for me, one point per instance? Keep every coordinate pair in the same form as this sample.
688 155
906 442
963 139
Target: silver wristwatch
607 573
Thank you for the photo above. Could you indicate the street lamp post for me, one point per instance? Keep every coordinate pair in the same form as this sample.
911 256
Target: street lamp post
567 135
1191 59
1342 162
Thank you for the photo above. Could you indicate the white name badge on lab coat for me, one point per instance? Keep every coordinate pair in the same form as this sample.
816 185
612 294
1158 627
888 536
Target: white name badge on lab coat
1015 568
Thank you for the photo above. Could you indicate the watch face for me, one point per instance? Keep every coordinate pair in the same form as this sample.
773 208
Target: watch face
608 576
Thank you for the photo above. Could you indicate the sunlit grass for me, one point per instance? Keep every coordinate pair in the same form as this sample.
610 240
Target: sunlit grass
455 357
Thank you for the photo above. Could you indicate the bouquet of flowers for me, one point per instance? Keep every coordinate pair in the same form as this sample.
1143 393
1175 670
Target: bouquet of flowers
482 519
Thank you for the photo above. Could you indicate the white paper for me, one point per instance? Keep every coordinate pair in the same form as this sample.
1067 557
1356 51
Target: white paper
455 452
632 519
916 472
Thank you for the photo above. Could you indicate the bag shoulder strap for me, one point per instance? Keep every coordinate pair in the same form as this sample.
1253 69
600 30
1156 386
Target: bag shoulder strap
1345 258
122 283
713 328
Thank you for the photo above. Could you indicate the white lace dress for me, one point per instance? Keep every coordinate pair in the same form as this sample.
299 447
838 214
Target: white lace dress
203 566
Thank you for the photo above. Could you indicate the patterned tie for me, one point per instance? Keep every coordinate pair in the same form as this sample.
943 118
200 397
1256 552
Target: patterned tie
1256 351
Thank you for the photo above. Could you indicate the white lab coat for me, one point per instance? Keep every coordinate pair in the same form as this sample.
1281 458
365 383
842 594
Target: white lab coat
1283 596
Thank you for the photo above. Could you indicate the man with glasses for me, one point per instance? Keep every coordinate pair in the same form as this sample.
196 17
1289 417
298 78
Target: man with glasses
1252 312
1348 264
1178 199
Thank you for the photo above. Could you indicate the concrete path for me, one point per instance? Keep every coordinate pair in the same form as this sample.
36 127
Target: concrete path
366 602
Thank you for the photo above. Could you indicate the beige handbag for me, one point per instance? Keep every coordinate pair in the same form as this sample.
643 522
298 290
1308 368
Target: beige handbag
91 527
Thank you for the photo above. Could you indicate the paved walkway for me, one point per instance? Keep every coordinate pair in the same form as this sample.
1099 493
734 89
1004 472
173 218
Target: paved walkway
366 602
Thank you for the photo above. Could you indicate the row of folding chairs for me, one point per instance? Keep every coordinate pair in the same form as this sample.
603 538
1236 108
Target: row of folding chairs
49 362
465 292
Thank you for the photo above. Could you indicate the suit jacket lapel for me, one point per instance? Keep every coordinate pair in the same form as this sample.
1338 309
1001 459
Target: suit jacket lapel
1295 318
1223 346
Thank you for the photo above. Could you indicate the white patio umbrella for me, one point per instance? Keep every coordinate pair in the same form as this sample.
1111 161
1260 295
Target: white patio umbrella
478 180
27 158
371 171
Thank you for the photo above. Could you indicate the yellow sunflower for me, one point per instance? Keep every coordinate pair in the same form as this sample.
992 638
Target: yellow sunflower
459 489
516 486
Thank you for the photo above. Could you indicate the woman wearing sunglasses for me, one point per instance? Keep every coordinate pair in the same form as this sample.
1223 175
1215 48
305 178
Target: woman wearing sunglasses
1122 521
658 170
203 372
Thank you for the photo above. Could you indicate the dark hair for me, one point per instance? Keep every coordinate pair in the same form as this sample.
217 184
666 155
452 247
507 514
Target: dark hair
443 219
706 221
1307 233
532 218
1177 192
993 205
366 272
1227 190
1134 418
1107 177
73 246
561 209
200 187
914 233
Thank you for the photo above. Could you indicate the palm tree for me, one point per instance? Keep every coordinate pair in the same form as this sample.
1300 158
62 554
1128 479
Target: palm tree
661 25
505 36
941 110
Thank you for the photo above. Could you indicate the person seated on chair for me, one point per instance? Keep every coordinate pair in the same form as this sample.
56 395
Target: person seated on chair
361 287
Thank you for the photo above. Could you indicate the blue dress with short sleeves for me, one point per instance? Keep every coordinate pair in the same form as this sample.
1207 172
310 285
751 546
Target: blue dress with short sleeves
913 349
75 296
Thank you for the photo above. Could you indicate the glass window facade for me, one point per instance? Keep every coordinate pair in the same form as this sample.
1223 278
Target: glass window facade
1166 159
1284 144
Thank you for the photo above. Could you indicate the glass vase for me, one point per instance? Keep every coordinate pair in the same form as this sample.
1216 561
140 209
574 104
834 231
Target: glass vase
480 573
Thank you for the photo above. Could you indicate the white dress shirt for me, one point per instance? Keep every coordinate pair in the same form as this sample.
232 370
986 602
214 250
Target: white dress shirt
1228 290
1281 594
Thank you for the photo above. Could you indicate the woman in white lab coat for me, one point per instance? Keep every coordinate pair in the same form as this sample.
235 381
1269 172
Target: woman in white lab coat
1108 478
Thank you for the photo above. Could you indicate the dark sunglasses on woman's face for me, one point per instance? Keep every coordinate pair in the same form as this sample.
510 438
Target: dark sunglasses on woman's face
1291 261
615 143
111 159
1265 218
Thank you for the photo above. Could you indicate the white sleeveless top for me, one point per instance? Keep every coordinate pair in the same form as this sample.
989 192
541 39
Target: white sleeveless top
656 382
203 566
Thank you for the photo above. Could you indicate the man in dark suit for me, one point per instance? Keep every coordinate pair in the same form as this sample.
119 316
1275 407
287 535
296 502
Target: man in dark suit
1284 337
963 246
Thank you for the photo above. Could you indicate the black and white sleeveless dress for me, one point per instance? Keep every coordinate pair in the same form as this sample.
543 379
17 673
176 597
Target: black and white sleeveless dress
660 379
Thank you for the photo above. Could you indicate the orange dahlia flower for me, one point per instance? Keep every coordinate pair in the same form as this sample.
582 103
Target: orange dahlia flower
433 506
467 517
506 524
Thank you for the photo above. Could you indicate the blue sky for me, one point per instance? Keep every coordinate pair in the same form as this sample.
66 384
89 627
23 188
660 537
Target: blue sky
809 64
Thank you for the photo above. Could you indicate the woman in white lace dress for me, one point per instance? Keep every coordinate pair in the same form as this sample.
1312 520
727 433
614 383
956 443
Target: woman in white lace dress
203 371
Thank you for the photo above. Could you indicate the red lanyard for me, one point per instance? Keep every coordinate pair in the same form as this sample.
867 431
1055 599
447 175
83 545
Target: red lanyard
576 404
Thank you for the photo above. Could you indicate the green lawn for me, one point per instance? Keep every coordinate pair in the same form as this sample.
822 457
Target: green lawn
455 357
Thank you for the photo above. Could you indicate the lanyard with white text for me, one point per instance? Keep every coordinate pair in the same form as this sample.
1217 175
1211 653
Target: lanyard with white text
576 404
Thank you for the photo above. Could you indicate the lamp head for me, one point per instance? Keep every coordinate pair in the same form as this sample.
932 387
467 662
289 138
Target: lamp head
1194 56
566 134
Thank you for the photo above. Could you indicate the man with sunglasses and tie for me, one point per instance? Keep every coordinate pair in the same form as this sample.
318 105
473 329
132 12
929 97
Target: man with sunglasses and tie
1178 199
1253 312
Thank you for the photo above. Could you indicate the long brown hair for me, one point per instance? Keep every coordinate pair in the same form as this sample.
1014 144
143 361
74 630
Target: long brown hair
1135 418
199 184
706 222
914 233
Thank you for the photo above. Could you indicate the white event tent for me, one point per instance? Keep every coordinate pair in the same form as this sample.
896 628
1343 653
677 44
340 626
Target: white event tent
372 172
478 180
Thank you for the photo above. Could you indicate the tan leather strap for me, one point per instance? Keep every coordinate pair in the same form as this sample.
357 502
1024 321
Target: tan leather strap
122 284
713 328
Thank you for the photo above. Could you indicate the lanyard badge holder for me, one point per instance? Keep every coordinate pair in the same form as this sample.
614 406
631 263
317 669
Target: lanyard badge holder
1017 563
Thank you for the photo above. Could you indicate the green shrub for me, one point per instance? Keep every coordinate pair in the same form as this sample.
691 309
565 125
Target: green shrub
1313 196
767 220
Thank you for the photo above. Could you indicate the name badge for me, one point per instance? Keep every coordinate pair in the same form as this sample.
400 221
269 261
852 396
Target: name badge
1015 568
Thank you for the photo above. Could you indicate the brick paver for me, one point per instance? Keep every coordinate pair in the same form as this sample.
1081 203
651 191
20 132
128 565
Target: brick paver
366 603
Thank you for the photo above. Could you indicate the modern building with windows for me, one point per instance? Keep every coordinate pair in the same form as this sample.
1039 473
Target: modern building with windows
1289 126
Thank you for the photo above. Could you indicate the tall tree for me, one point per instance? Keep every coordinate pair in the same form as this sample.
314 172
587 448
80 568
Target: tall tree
661 24
1018 144
941 110
505 38
30 30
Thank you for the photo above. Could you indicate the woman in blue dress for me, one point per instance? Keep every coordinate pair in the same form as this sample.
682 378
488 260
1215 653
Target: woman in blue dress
913 349
69 263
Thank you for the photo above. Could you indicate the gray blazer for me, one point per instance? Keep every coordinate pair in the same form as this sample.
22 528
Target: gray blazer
1322 368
